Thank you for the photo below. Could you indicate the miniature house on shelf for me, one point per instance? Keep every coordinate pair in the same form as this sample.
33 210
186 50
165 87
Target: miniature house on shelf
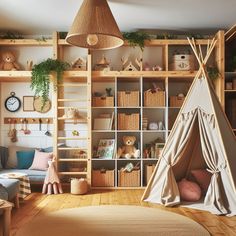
79 64
127 65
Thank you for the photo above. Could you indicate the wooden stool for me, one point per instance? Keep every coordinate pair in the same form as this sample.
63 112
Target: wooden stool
6 207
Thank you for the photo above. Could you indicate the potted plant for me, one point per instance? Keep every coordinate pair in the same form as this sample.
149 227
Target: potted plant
213 72
40 80
136 38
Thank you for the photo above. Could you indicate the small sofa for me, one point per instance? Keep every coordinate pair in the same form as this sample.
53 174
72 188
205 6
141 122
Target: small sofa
10 187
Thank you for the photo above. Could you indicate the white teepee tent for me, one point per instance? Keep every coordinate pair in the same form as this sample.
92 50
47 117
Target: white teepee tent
201 138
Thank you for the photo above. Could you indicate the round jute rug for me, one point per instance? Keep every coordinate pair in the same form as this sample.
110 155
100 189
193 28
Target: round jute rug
112 221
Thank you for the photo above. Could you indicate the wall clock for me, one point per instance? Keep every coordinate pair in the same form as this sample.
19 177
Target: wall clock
38 105
12 103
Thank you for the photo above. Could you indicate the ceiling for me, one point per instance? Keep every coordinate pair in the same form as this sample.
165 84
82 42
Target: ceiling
45 16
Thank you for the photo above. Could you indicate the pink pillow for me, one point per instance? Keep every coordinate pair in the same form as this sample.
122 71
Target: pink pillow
203 178
189 191
40 161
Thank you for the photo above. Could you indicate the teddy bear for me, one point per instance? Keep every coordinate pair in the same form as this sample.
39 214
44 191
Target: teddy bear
8 62
128 150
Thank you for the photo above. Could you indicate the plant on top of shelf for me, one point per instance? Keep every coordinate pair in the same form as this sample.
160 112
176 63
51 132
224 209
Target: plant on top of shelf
213 72
11 35
40 80
136 38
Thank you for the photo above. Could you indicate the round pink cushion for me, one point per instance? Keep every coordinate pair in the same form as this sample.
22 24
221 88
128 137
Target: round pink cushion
189 191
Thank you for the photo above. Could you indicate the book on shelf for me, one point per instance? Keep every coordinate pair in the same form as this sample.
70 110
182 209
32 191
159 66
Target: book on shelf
106 148
103 121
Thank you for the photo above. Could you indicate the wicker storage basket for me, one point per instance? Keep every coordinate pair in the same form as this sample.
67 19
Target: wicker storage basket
103 101
176 101
148 172
128 121
182 62
103 178
129 179
128 98
156 99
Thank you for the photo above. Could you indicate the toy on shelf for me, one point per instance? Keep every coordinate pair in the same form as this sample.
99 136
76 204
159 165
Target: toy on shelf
153 149
146 67
127 65
157 68
29 65
103 65
128 150
79 64
9 62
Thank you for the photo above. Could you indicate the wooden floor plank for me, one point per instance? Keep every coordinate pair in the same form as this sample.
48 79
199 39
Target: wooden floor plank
39 204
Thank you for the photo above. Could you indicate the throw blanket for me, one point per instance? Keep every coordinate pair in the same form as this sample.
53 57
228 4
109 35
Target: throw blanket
3 156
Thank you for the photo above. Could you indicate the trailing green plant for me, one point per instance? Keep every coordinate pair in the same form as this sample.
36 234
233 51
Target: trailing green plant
136 38
213 72
11 35
40 80
62 34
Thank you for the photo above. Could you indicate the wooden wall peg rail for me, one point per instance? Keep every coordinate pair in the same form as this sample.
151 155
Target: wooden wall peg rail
21 120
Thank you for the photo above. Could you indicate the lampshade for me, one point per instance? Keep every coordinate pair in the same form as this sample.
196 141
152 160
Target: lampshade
94 27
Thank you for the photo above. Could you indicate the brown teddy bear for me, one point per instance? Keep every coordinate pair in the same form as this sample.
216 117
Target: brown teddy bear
8 62
128 150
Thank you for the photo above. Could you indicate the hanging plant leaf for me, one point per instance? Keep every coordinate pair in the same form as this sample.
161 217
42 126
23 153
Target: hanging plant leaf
40 80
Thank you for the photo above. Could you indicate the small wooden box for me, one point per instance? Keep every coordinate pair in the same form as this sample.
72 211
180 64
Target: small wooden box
129 179
176 101
103 179
128 98
128 121
182 62
148 172
156 99
103 101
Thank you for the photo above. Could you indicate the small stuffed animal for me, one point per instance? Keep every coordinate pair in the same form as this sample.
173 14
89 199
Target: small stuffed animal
128 150
8 62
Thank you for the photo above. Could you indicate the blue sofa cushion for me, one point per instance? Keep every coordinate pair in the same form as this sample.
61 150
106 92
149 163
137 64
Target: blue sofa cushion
34 175
24 159
12 187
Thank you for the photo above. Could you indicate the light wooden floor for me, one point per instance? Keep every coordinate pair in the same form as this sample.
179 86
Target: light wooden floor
38 204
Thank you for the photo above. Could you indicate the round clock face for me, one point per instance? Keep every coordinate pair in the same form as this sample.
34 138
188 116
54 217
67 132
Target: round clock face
12 103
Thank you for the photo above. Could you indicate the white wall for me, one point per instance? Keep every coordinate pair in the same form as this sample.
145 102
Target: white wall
36 138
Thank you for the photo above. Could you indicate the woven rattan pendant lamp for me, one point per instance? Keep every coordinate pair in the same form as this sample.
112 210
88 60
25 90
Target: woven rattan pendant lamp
94 27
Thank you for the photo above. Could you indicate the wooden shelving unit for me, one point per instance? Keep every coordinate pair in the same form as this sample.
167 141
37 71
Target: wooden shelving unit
75 92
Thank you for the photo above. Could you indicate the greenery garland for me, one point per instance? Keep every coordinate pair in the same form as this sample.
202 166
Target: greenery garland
136 38
40 80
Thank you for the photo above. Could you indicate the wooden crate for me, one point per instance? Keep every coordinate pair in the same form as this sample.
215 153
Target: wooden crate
129 179
148 172
103 101
176 101
128 98
103 179
156 99
128 121
183 62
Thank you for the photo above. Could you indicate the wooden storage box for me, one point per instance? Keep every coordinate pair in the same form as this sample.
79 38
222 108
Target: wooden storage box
156 99
182 62
103 101
128 98
128 121
129 179
148 172
176 101
103 178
